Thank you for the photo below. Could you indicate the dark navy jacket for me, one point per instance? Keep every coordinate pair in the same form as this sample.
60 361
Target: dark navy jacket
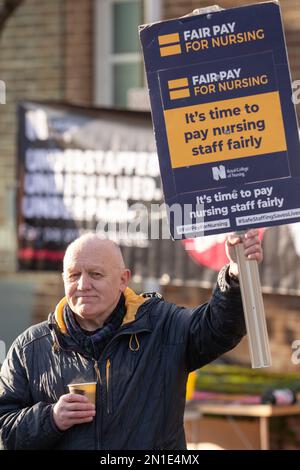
141 375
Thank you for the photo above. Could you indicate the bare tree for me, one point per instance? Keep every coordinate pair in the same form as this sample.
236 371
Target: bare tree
7 7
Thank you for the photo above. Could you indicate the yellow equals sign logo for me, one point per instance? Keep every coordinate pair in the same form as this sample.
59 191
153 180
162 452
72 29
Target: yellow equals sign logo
169 44
179 88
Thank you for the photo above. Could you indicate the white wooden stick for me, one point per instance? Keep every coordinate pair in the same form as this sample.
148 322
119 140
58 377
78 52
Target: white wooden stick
253 310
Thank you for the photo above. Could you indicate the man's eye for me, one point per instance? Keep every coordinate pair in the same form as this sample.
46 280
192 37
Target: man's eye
73 276
95 275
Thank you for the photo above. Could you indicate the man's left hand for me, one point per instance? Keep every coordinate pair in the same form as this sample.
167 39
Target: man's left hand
252 249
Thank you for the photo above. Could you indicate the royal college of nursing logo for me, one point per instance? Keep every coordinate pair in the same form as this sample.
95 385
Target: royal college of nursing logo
219 172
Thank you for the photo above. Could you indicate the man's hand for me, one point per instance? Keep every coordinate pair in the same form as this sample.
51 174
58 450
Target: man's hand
72 409
252 249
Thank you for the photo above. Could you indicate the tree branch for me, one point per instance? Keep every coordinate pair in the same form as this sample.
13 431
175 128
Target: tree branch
6 10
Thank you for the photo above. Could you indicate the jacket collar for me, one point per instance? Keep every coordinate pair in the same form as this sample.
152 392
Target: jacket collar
132 304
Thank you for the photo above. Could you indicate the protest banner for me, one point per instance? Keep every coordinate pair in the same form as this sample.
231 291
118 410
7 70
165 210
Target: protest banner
82 169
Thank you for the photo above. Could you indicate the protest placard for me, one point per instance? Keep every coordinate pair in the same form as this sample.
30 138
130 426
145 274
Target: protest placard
225 125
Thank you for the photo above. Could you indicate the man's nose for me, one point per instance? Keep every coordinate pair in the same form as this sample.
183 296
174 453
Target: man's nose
84 282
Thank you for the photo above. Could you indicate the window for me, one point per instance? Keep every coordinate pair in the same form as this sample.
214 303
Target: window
118 59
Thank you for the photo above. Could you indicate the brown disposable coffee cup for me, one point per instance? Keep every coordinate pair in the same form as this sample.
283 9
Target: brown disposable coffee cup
88 389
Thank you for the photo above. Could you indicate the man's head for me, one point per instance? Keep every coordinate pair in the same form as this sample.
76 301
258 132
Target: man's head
94 277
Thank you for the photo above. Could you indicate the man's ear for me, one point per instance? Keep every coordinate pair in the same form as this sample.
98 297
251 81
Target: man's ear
125 278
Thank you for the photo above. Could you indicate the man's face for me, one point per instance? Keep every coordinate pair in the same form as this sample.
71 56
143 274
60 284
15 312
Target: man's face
93 280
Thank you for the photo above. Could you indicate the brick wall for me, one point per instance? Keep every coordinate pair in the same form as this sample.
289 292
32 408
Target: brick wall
45 54
31 64
78 51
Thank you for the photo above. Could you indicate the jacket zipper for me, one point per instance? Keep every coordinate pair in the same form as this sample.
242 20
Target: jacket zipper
98 374
108 364
97 370
98 379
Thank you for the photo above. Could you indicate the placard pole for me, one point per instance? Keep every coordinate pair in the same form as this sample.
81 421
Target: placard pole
253 309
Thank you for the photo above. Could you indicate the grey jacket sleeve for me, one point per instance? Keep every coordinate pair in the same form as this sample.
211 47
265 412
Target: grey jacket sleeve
218 326
23 425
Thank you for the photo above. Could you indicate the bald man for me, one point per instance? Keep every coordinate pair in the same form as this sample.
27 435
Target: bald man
138 349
